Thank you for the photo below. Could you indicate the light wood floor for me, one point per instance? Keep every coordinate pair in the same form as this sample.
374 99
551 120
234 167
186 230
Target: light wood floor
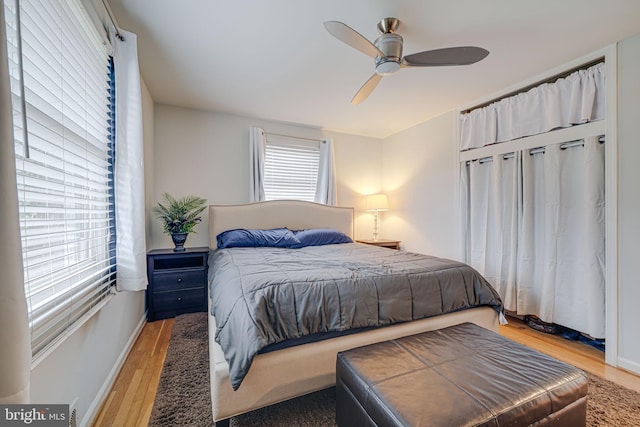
130 401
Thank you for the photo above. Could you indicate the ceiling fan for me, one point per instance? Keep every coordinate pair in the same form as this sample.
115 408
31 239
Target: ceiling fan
387 52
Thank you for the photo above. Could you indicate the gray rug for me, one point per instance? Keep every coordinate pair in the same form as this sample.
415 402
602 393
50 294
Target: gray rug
184 398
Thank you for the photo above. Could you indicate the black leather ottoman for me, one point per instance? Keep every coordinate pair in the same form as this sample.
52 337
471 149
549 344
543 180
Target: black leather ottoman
463 375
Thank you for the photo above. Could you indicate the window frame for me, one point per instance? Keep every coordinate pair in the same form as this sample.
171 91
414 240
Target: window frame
60 129
298 168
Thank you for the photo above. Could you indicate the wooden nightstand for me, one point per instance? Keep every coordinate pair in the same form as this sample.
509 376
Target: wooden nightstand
177 282
391 244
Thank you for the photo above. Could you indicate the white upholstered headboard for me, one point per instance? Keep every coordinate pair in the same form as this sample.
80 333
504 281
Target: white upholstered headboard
293 214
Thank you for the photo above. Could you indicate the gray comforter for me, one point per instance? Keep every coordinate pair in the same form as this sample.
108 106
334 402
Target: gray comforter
262 296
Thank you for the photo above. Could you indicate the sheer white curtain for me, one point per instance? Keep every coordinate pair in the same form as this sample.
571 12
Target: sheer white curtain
326 190
561 261
129 168
493 206
15 352
257 147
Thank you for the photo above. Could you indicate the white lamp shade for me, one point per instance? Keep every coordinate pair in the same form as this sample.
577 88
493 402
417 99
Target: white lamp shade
376 202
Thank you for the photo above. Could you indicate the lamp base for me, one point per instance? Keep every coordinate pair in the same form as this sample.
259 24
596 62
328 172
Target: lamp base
375 227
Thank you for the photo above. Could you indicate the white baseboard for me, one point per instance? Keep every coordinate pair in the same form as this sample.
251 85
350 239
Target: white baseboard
93 409
629 365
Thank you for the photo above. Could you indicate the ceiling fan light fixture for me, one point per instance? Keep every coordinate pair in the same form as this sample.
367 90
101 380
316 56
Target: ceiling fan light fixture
387 67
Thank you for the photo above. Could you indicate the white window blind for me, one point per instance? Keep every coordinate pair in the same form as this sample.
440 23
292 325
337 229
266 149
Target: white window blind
61 94
291 168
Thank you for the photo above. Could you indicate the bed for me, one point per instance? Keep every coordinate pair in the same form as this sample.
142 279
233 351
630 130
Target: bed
297 370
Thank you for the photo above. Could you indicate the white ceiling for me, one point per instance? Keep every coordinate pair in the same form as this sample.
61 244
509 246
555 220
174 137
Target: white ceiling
274 59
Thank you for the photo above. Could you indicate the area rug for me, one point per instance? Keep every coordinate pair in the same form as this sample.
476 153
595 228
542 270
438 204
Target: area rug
184 399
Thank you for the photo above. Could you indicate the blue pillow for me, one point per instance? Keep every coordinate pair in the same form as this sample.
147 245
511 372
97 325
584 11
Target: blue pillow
242 238
321 236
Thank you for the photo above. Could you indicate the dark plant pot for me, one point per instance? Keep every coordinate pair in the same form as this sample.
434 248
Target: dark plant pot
178 240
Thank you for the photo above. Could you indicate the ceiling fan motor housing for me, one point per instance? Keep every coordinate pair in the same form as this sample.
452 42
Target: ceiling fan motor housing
391 45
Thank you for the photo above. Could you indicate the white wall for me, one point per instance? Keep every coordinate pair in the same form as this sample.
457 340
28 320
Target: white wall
628 202
86 363
419 179
206 154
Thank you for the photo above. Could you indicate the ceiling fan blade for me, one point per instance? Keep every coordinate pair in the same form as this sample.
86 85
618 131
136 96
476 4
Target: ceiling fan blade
348 35
366 89
463 55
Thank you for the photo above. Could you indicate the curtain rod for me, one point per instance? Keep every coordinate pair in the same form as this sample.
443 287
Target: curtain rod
539 150
564 146
112 19
295 137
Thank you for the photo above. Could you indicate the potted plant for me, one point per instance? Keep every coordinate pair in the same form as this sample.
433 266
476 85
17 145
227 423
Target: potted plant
179 217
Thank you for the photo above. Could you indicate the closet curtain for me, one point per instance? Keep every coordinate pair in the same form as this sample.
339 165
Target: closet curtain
535 228
534 223
575 99
129 168
493 186
15 352
561 262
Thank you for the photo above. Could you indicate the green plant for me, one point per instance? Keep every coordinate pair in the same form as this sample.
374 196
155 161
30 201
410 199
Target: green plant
180 215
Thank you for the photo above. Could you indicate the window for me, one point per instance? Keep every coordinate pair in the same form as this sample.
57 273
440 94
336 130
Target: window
62 94
291 168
